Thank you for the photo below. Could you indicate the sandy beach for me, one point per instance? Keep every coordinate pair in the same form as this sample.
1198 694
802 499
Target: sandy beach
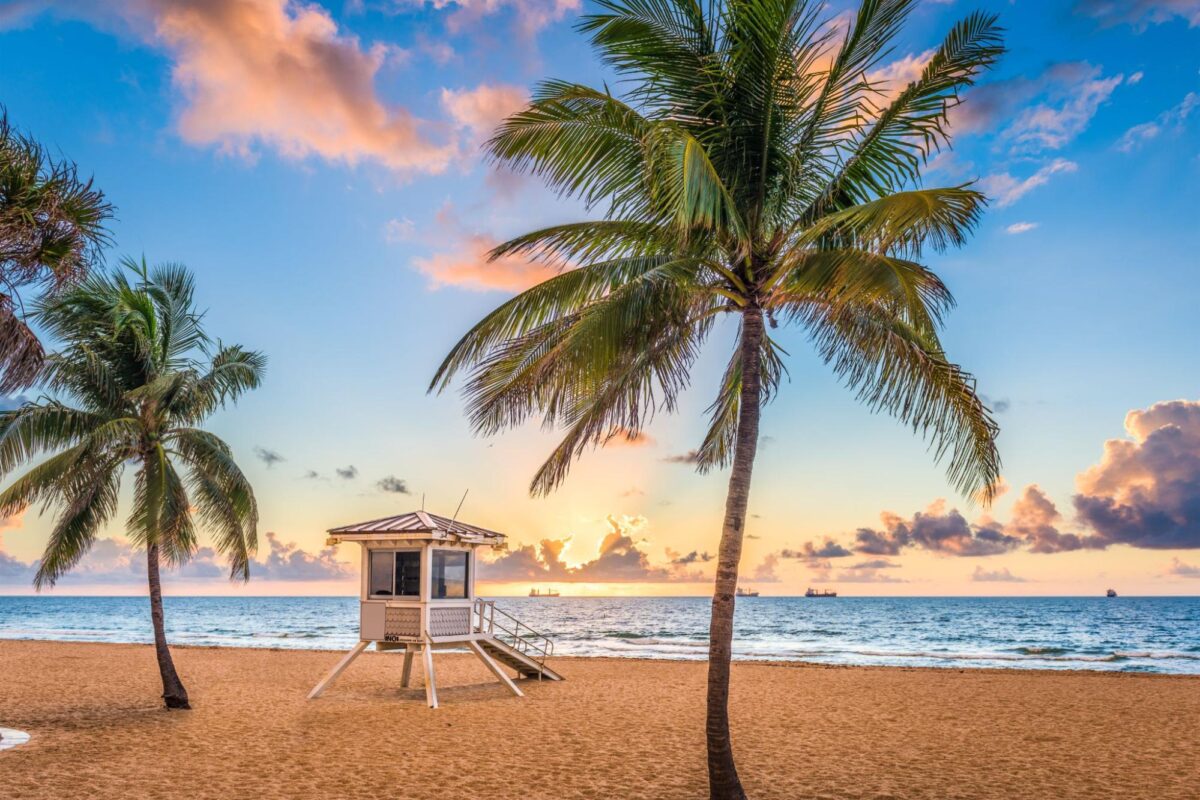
615 728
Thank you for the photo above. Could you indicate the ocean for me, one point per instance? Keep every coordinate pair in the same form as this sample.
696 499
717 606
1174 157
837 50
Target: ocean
1130 634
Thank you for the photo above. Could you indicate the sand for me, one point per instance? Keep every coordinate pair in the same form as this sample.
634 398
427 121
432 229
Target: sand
613 729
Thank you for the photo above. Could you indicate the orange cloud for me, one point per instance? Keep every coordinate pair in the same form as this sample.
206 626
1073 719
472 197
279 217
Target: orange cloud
281 74
626 438
892 78
465 264
482 109
620 559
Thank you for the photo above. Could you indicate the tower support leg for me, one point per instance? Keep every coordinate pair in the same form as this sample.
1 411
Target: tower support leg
406 676
336 671
430 682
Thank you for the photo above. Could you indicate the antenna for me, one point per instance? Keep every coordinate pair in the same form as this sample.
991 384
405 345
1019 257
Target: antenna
422 501
460 504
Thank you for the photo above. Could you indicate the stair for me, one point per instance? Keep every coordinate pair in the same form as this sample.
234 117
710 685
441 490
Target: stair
514 659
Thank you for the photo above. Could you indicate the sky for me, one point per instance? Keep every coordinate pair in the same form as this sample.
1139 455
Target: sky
318 166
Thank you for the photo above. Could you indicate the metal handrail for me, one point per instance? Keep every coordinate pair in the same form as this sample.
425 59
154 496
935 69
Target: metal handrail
527 642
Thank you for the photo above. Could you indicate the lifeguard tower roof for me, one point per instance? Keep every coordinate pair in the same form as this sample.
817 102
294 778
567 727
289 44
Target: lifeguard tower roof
420 522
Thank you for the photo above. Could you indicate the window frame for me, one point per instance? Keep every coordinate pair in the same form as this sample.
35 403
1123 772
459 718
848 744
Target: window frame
394 552
468 592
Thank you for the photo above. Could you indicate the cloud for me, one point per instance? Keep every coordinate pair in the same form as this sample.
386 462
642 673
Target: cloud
999 405
280 75
627 438
619 560
877 563
693 557
529 16
113 561
347 473
466 264
1145 491
1058 101
690 457
1006 189
11 569
1020 227
766 571
891 78
311 475
980 575
1035 519
937 530
393 485
268 457
1140 12
866 576
1178 569
398 230
811 552
1172 121
482 109
1053 124
286 561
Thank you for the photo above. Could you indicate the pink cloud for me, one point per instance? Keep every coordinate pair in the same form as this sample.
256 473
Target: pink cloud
465 264
531 15
277 75
892 78
482 109
620 559
281 74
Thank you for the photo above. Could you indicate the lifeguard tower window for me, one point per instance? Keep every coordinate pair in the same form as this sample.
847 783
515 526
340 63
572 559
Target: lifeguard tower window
395 572
450 574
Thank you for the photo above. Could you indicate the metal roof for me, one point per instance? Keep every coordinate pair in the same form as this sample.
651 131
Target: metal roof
418 522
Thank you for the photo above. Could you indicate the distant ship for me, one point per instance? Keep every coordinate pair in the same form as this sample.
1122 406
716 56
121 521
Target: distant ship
815 593
746 592
1111 593
540 593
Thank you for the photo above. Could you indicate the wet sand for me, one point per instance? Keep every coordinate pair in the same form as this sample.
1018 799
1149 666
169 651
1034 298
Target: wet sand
614 729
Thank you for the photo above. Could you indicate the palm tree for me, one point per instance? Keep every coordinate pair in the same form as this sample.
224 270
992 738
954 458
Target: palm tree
752 168
135 377
52 230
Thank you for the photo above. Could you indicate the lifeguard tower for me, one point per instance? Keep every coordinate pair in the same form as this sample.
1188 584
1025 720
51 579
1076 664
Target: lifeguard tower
418 595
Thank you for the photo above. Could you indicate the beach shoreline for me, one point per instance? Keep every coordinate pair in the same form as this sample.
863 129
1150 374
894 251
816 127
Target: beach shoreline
617 727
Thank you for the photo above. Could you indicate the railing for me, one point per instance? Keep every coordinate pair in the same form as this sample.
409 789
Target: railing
510 630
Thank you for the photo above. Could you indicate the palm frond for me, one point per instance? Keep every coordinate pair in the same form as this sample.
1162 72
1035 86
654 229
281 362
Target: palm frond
88 508
901 371
891 152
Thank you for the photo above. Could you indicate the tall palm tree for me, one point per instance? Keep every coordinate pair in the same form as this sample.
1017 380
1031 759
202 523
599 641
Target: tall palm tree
135 377
52 231
753 168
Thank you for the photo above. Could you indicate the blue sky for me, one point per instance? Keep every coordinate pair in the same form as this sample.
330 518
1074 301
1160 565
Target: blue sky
317 166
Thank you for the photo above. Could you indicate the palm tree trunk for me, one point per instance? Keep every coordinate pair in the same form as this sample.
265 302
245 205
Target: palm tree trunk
174 695
723 782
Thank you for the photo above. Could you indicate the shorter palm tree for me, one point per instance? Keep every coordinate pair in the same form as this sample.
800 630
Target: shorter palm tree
135 377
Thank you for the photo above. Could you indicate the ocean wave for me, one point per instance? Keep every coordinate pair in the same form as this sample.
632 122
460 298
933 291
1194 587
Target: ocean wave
1042 651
